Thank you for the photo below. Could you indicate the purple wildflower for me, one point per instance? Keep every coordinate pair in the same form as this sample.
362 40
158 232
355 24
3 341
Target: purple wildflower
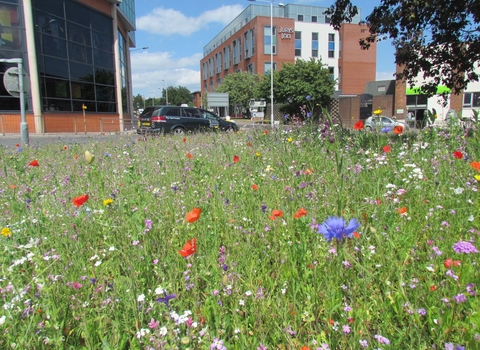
363 344
166 298
381 339
459 298
464 247
335 227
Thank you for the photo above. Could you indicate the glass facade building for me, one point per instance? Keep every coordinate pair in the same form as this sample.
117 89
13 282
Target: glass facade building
76 54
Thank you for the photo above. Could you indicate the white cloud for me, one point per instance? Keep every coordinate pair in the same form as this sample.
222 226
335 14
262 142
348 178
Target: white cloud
151 70
385 75
146 61
164 21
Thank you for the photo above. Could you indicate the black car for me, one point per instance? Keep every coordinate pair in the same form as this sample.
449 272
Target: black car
179 120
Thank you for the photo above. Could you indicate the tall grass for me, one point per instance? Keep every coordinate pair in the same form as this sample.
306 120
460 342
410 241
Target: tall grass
108 274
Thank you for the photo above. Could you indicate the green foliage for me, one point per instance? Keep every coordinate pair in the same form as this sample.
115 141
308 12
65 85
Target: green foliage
437 38
241 87
294 82
92 277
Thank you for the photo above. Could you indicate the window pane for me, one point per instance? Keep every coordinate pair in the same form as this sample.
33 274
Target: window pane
50 104
56 88
83 91
55 67
314 36
102 23
104 76
103 59
101 41
411 100
50 25
315 45
476 99
105 93
79 34
77 106
81 72
106 107
467 99
52 46
10 38
422 100
77 13
51 6
79 53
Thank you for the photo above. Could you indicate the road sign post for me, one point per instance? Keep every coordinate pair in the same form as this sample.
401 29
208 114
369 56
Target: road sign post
15 87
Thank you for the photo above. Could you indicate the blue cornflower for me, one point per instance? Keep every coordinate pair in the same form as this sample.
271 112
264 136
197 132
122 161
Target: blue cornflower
386 129
308 97
335 227
166 299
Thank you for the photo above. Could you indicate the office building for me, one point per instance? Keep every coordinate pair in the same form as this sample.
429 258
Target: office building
299 32
76 63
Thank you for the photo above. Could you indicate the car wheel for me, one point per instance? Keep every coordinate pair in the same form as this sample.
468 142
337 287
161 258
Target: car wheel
368 128
230 130
178 130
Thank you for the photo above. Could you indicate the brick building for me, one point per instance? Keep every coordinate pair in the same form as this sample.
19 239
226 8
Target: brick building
299 32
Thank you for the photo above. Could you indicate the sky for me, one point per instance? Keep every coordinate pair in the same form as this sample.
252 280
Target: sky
175 33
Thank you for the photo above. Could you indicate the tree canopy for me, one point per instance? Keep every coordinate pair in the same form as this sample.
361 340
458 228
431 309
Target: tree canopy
436 39
294 82
241 87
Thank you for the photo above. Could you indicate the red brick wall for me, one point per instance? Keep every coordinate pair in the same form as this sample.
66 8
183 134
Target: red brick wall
355 62
285 50
385 103
64 123
400 96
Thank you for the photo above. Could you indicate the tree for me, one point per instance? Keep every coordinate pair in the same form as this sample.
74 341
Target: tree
294 82
241 88
438 39
178 96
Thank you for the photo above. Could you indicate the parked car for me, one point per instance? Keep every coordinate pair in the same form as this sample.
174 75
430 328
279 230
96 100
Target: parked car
378 123
179 120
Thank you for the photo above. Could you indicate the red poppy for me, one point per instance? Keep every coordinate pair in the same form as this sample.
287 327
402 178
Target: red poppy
189 155
34 163
254 187
12 186
17 145
184 139
402 210
193 215
276 213
236 159
350 320
305 348
356 234
249 144
189 248
433 288
387 149
457 263
448 263
265 132
80 200
475 165
301 212
458 155
64 147
308 171
358 125
398 130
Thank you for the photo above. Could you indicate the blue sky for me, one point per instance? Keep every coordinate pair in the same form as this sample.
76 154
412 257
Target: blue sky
175 33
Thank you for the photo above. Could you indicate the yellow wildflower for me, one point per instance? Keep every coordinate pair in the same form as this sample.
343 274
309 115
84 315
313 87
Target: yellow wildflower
258 154
88 157
477 177
107 201
290 140
6 232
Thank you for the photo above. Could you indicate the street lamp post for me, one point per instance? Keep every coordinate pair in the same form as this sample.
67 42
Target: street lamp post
166 92
271 54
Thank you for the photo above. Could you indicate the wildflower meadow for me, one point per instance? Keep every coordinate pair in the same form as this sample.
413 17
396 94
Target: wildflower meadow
300 237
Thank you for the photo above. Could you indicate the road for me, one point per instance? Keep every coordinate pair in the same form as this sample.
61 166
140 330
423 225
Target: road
12 140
